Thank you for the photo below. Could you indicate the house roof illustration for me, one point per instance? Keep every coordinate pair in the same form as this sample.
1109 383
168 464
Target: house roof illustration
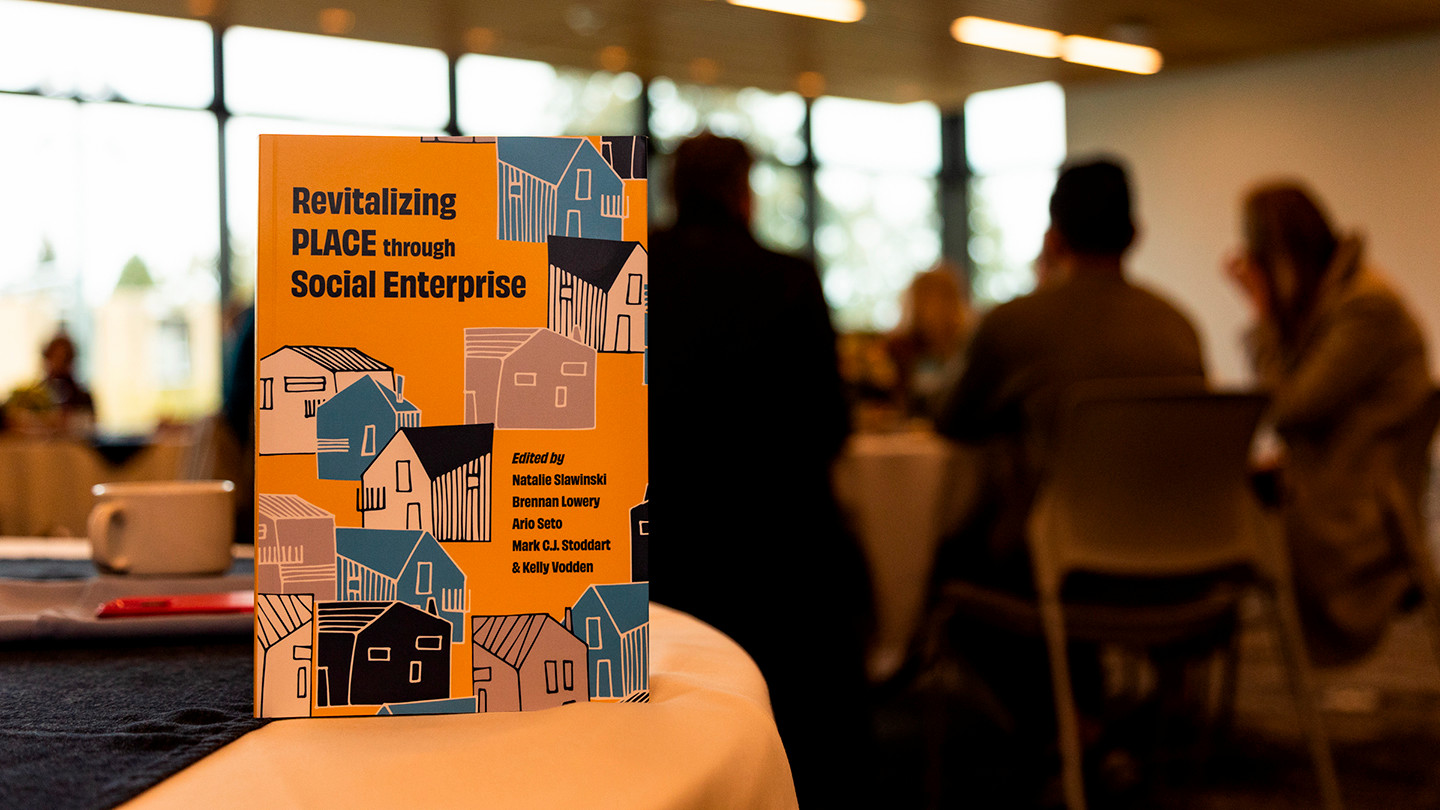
386 551
277 615
598 261
396 403
546 158
626 603
443 448
337 358
289 506
353 617
510 638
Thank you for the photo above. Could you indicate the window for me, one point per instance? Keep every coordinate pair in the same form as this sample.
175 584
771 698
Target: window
402 476
261 531
414 672
561 393
552 681
592 632
526 378
429 642
1015 142
378 654
302 385
352 587
569 670
367 446
582 184
632 290
267 393
301 653
644 528
567 292
422 578
482 674
574 369
302 682
501 96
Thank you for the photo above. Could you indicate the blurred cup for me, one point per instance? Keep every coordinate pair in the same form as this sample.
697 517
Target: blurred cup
163 528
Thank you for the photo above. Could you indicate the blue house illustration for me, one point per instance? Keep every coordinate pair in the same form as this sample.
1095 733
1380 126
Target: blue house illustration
614 623
401 565
356 424
557 186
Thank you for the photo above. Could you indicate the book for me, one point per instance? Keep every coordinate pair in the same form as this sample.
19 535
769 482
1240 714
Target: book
451 442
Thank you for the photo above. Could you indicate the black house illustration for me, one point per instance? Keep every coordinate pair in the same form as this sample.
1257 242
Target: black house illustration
380 652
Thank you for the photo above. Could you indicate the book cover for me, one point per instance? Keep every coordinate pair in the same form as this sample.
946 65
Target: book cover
451 444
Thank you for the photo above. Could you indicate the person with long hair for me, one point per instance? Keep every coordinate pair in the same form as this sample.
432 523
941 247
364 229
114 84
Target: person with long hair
1344 362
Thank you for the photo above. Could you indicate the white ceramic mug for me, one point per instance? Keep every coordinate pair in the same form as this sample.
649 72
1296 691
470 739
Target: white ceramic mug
159 528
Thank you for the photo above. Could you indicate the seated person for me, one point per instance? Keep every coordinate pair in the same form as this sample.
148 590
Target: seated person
1087 323
929 344
57 403
1345 363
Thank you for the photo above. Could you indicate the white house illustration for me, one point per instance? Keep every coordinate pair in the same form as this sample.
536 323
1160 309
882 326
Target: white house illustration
528 378
597 292
295 381
432 478
285 651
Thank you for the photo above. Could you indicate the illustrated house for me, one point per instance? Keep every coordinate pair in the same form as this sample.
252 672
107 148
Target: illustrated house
597 292
294 547
627 155
522 378
613 621
352 427
295 381
526 662
640 539
284 648
557 186
435 479
379 652
401 565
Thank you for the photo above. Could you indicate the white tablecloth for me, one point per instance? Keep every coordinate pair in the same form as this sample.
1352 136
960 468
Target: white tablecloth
901 489
707 740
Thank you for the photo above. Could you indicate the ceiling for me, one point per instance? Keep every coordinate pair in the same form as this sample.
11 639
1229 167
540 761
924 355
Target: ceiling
900 51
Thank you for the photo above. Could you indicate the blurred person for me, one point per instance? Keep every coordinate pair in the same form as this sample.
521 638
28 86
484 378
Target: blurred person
747 415
927 348
1087 322
56 403
1345 364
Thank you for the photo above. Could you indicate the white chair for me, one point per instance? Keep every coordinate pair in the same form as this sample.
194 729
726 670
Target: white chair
1149 479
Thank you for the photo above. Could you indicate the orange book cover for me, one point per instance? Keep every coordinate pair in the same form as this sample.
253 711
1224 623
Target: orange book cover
451 444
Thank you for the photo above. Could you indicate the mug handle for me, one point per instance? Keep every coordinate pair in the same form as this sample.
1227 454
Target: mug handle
102 518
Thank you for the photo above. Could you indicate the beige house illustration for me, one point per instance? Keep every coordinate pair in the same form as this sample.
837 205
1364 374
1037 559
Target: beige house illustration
526 662
435 479
295 381
528 378
285 652
597 292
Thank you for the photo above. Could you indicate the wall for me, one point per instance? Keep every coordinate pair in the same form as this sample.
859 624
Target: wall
1361 125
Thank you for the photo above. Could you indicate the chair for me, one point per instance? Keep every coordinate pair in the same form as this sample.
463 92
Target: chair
1149 479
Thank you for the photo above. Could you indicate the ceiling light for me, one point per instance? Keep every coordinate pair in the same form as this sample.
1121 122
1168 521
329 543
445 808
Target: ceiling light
1109 54
833 10
1007 36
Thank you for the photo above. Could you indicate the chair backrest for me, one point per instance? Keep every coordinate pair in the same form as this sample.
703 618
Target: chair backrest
1149 478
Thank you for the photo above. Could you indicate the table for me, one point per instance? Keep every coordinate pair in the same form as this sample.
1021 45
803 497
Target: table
707 740
901 489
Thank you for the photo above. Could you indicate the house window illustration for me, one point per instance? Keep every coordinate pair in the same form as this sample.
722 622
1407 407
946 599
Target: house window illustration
644 528
402 476
267 393
422 578
482 674
427 642
352 588
302 682
582 184
261 532
574 369
300 653
592 632
301 385
569 669
552 681
632 290
378 653
367 447
526 378
414 671
567 292
515 189
560 392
